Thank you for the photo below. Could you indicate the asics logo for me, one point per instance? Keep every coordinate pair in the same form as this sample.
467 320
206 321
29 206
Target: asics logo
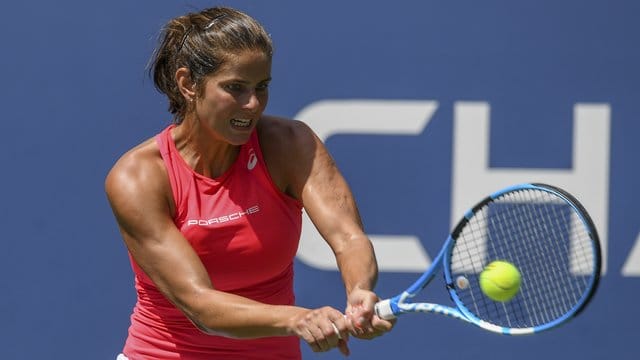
253 160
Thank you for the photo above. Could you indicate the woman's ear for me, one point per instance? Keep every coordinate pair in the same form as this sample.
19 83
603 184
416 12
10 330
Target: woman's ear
185 84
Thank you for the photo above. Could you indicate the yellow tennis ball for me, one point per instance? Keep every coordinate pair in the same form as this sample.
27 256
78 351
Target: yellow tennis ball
500 281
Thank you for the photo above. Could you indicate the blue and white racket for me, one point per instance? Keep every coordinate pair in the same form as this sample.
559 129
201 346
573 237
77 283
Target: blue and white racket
542 230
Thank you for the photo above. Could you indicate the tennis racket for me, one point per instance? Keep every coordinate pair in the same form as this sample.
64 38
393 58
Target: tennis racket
542 230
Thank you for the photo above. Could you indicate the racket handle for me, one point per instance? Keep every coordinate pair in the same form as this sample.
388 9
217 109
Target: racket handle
384 311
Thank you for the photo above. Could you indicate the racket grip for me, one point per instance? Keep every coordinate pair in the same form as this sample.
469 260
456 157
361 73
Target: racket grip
384 311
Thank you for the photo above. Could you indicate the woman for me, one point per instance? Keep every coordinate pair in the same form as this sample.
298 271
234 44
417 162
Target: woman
210 209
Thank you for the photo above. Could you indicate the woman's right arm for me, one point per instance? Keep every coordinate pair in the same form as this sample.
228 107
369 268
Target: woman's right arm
139 193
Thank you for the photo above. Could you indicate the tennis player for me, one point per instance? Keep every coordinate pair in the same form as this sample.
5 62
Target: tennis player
210 209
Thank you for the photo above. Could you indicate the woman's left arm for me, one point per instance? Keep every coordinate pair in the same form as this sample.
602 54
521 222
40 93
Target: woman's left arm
330 204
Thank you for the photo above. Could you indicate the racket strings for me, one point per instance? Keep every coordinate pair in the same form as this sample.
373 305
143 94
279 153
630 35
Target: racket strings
545 238
547 283
512 248
554 229
556 305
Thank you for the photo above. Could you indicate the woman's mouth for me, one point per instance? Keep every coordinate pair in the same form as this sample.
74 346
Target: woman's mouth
242 123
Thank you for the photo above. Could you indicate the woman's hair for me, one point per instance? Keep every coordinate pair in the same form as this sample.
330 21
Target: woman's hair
201 43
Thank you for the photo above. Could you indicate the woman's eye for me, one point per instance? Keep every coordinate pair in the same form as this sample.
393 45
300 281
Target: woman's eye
234 87
239 88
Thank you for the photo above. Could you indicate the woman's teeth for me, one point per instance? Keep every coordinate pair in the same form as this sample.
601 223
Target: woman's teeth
241 122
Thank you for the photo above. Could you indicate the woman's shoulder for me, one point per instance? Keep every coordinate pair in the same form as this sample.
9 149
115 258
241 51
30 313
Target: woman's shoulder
287 146
137 167
283 132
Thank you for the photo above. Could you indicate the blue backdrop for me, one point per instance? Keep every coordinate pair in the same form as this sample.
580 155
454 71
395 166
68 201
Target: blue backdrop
554 83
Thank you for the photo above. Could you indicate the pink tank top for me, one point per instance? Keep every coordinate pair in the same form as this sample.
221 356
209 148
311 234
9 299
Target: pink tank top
246 232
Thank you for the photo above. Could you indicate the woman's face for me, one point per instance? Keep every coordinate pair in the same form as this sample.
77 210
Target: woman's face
235 97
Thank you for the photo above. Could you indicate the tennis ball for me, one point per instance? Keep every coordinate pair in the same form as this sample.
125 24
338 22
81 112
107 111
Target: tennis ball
500 281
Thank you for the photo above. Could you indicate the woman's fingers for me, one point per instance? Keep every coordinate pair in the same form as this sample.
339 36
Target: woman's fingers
324 329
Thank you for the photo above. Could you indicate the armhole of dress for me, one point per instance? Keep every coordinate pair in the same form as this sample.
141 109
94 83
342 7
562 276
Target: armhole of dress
255 143
162 140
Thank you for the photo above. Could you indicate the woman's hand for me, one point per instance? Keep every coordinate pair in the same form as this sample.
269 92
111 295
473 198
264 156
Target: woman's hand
323 329
360 312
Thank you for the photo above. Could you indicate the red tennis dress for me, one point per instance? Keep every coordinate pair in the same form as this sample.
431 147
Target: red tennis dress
246 232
